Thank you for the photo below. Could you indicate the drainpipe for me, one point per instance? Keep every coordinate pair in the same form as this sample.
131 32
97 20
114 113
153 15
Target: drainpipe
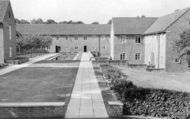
99 45
158 52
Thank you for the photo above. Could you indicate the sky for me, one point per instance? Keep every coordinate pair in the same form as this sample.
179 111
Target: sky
90 11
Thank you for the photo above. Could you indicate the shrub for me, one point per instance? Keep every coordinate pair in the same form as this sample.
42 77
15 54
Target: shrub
147 101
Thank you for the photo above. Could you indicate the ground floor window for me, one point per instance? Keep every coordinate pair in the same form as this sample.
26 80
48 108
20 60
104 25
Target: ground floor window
137 56
10 51
122 56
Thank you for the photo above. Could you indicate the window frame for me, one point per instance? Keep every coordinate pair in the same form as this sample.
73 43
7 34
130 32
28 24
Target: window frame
10 32
137 56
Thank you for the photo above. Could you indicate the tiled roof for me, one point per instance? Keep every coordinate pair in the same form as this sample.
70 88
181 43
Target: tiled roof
162 23
64 29
3 8
132 25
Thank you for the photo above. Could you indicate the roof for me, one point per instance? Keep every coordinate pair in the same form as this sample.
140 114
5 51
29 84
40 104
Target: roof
3 8
64 29
132 25
164 22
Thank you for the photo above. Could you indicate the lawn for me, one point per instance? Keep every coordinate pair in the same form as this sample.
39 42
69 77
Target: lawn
161 80
37 84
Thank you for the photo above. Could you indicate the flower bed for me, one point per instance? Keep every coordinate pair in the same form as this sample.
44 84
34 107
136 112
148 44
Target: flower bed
146 101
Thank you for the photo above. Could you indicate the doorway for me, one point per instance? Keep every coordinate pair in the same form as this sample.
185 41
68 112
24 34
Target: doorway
57 49
85 48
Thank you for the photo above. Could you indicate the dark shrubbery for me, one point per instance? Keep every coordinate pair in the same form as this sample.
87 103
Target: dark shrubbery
147 101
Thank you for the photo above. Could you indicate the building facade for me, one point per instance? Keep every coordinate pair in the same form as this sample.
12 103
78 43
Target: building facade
160 41
72 37
126 38
7 32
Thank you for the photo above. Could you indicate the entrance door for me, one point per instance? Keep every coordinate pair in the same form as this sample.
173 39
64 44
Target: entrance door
85 48
57 49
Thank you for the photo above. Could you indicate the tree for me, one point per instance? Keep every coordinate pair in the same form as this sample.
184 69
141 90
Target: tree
109 22
22 21
37 21
51 21
183 45
33 42
95 22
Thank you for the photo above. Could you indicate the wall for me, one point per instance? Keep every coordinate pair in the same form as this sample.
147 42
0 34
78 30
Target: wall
112 41
1 44
9 42
173 35
130 47
155 50
92 43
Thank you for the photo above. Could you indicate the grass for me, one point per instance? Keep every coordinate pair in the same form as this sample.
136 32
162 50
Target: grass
37 84
159 80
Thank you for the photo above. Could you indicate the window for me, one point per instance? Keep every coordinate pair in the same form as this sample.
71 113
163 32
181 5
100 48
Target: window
57 37
122 56
123 39
137 56
104 47
10 32
188 63
76 38
138 40
66 37
10 51
9 14
85 37
76 47
158 37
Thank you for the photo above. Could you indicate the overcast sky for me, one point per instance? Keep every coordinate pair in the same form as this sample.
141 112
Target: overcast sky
93 10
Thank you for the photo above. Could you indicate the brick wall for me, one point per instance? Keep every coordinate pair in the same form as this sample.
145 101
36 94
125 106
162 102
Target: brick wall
93 43
9 21
173 35
130 48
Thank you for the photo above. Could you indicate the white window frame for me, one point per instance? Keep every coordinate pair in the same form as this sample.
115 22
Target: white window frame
138 39
137 56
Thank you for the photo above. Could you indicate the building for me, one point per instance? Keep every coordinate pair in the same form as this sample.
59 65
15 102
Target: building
127 38
160 39
7 32
72 37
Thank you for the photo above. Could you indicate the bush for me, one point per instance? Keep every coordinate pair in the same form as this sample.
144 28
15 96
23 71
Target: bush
147 101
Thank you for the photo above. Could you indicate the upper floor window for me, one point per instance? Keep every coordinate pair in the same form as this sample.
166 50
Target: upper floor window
123 39
9 13
76 37
138 39
10 51
10 32
158 37
137 56
85 37
66 37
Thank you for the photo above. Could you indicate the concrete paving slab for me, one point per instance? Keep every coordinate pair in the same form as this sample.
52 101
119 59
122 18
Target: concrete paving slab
86 93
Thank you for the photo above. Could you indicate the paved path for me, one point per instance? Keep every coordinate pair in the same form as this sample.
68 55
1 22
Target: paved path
86 99
32 60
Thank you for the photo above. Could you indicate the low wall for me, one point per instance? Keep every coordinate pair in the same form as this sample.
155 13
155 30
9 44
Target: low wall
112 62
31 110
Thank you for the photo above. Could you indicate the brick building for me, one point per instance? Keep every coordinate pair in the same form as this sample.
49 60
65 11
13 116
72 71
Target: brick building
127 38
160 39
72 37
7 32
